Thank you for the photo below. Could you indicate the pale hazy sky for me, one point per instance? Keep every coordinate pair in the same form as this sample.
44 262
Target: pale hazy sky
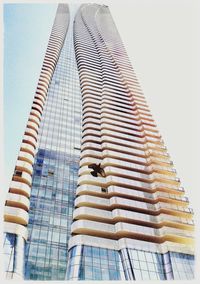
161 41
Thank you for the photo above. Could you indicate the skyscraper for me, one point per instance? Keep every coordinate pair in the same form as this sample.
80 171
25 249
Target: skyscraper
104 203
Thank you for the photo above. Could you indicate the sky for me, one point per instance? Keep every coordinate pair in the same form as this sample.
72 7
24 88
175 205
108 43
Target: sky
162 43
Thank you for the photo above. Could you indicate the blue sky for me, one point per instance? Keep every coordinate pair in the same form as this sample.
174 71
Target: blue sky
26 32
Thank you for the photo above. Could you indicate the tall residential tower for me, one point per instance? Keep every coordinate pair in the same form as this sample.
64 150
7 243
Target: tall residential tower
94 195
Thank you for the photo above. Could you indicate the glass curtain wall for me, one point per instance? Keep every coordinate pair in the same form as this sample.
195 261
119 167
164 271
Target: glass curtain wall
55 170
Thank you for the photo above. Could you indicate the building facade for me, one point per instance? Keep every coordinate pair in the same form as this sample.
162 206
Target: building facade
94 195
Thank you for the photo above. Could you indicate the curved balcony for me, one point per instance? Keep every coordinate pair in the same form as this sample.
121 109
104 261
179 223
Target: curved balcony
91 97
23 156
41 93
16 229
28 148
115 171
89 179
31 132
91 146
93 241
124 157
150 128
167 170
132 174
92 201
91 126
162 221
44 78
121 230
120 112
18 201
160 161
88 213
117 98
119 135
122 149
40 97
157 235
24 166
124 125
151 134
20 188
126 105
33 118
91 153
91 105
144 115
90 138
32 125
87 161
24 177
112 117
147 122
120 215
162 185
122 142
48 65
117 108
153 197
15 215
93 228
91 120
93 100
166 179
89 115
38 103
43 82
157 147
91 190
92 132
122 130
118 202
148 208
91 110
29 140
36 113
105 111
37 107
45 74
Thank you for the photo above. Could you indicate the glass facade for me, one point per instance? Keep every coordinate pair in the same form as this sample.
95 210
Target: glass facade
93 263
9 247
182 265
55 171
144 265
13 261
